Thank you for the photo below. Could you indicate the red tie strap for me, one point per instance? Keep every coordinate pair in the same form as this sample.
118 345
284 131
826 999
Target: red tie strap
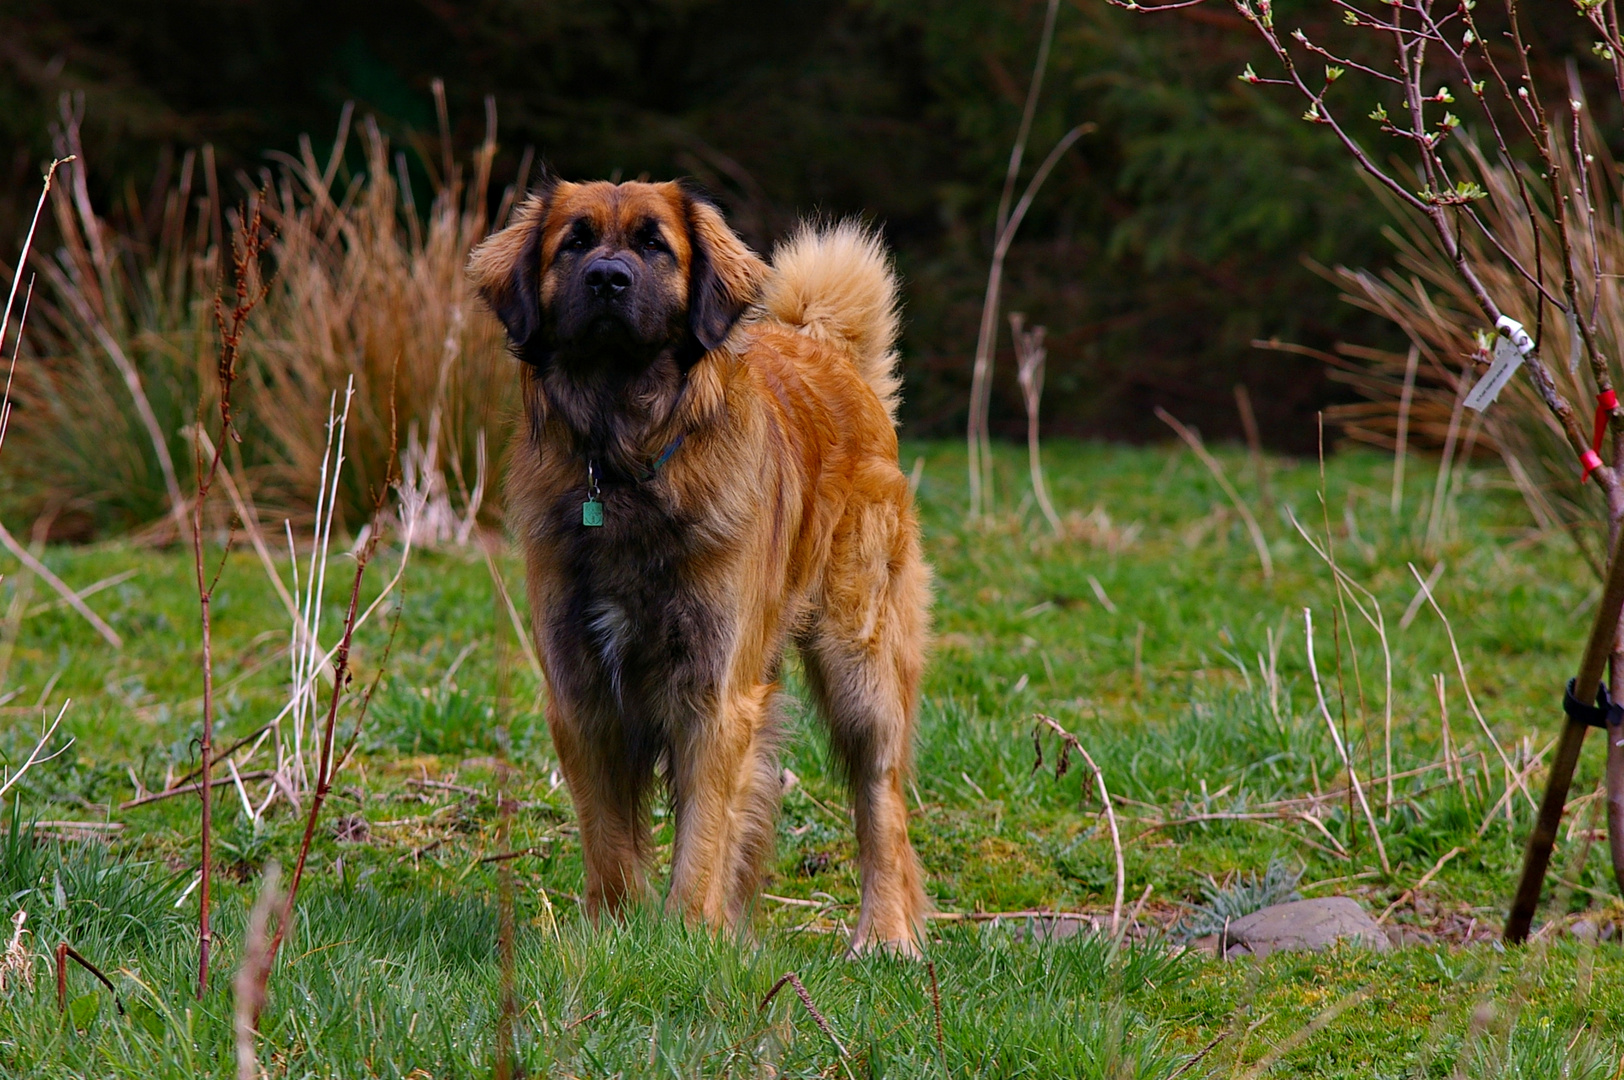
1606 402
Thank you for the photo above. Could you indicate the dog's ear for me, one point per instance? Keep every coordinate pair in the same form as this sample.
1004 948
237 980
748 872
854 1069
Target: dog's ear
506 270
724 275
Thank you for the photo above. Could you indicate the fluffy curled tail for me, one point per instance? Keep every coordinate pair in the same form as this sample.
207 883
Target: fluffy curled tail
835 283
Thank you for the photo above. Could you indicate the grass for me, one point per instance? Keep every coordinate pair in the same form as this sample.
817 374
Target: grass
392 969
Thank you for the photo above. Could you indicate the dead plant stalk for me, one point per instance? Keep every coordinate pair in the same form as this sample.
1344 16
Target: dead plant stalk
1193 441
1378 622
1341 748
794 980
1068 743
252 974
1029 358
247 244
980 446
1466 687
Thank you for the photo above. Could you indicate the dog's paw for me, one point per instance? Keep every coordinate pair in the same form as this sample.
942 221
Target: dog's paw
905 946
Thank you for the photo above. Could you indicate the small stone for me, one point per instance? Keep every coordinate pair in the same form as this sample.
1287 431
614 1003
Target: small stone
1053 928
1305 924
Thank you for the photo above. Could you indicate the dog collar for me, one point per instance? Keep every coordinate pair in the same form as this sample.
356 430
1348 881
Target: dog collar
653 468
592 508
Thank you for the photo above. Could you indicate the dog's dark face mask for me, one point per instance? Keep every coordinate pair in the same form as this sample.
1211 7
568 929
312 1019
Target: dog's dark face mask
602 281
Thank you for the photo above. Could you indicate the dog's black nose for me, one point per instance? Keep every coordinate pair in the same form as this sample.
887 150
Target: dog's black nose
607 278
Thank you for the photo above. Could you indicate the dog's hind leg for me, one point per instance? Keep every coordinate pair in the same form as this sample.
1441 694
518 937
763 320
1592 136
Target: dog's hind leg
864 658
755 813
725 787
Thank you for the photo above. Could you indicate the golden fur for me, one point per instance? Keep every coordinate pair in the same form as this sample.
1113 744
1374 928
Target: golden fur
782 517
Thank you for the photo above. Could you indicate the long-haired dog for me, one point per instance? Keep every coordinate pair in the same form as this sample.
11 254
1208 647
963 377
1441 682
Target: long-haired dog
706 473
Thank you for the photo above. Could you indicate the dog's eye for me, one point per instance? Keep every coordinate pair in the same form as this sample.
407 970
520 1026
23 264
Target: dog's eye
653 243
575 243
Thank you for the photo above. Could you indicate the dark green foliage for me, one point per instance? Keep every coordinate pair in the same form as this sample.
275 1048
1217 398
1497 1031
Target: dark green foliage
1160 248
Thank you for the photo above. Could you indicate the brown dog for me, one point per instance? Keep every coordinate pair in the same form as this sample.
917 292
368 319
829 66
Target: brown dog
708 473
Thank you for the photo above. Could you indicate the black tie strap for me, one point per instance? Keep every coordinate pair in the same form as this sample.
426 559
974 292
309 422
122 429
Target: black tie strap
1604 713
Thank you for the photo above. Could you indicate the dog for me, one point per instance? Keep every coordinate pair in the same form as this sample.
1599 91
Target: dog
706 474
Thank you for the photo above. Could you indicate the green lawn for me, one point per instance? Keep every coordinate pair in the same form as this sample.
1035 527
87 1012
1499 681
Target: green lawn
393 965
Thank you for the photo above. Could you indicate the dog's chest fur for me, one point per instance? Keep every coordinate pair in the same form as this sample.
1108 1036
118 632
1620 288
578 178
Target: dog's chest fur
631 633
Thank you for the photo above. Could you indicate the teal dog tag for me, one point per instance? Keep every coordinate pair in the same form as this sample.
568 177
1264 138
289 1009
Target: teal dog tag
592 513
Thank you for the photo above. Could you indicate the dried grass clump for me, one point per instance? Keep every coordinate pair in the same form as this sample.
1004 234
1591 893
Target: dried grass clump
111 373
1425 297
364 289
17 962
361 284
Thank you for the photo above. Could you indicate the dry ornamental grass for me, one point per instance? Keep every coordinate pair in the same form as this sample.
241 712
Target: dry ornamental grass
361 281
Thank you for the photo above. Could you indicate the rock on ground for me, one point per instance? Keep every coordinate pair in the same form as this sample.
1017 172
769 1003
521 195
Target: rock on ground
1304 924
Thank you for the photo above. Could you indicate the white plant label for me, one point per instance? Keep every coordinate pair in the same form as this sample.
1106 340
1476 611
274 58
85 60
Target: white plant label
1507 359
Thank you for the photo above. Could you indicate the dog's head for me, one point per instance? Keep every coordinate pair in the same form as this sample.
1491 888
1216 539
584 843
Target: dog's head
606 279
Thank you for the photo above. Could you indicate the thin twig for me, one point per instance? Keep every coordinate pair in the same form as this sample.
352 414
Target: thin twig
1336 738
34 755
1254 443
1193 441
92 589
508 856
936 1006
441 785
1072 742
1378 622
1420 597
1426 879
191 789
28 243
1010 916
66 952
1307 1031
1511 790
247 244
526 640
227 752
1466 687
980 379
806 999
1199 1054
325 766
67 594
1267 820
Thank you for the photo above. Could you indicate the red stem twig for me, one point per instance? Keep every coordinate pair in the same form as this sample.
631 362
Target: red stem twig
246 248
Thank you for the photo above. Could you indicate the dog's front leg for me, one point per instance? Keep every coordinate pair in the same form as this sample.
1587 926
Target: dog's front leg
608 799
725 786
